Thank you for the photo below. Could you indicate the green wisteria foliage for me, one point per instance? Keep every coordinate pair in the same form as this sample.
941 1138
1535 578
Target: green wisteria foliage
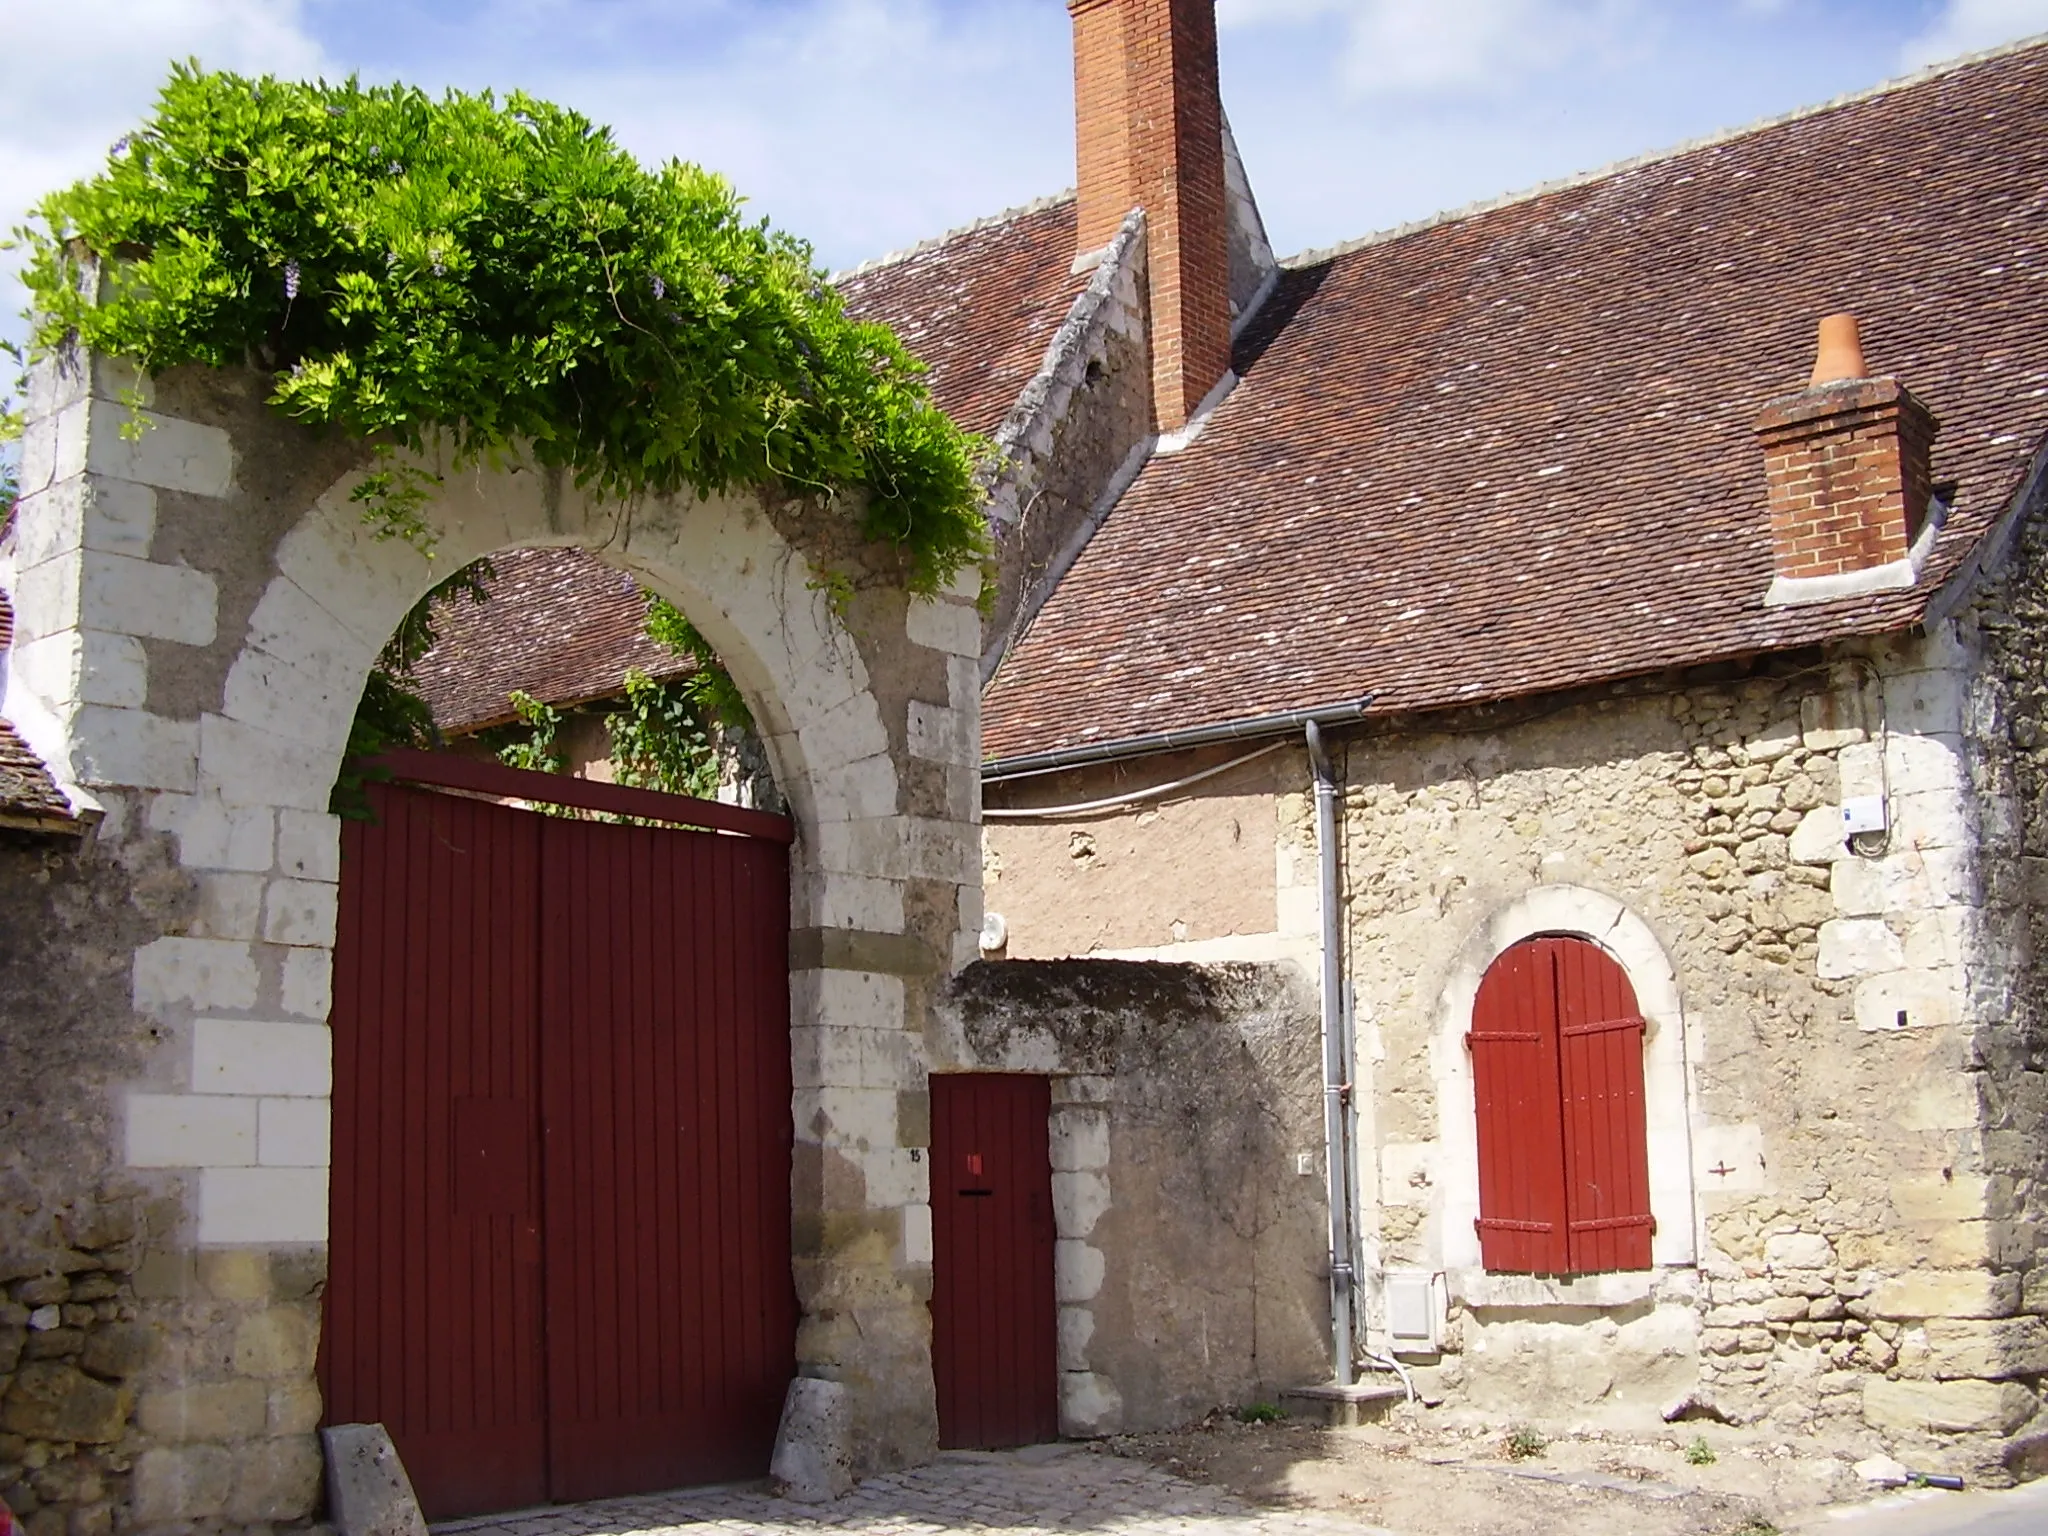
500 280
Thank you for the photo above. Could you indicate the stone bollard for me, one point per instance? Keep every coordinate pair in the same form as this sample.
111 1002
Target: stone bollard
368 1493
811 1463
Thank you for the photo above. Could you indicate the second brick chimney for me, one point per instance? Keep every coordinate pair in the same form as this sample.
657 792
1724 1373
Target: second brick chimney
1149 134
1848 466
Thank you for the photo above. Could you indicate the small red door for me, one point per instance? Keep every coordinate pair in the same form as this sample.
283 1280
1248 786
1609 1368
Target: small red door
994 1350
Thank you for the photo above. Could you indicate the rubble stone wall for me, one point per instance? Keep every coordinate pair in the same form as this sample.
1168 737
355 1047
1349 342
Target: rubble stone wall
196 608
1850 1121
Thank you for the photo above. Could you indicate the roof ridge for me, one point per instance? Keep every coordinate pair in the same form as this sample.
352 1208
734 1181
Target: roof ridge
1921 76
1036 205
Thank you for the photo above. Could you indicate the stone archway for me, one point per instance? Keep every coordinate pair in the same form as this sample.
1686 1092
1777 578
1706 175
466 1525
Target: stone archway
196 611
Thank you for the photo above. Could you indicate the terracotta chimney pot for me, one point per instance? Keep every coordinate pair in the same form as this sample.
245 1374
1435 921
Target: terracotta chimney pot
1841 352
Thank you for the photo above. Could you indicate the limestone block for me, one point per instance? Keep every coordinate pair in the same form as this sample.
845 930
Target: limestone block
1076 1328
1992 1349
47 596
1080 1138
84 665
1946 1407
854 901
53 1400
952 627
185 1482
917 1234
118 1350
235 1274
170 454
1941 939
1932 764
1831 720
133 749
878 848
126 596
1933 1197
943 735
213 835
1907 1000
1857 946
1925 703
368 1493
230 906
963 684
205 973
944 850
849 1000
846 1117
813 1458
308 982
293 1133
300 912
897 1176
247 766
1078 1201
223 1410
293 1409
1798 1250
263 1205
1931 820
278 1342
263 1057
277 1479
849 732
190 1130
1818 839
1777 739
1090 1405
1858 888
1077 1270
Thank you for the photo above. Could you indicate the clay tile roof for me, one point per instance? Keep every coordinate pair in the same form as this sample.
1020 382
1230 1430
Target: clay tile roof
28 795
561 625
978 306
1513 451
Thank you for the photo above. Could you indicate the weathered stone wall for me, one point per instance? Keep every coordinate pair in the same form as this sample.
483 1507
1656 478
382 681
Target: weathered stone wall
1192 1254
1845 1117
196 610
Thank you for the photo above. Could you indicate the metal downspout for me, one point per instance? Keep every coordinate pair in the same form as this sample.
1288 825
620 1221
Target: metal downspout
1336 1072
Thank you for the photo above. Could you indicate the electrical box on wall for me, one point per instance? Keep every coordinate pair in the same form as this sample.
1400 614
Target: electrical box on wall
1865 813
1414 1312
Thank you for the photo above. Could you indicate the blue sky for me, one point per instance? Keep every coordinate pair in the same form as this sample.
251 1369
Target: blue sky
868 124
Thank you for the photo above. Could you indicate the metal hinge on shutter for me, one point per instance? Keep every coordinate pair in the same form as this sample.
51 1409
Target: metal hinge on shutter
1498 1037
1601 1027
1612 1223
1502 1224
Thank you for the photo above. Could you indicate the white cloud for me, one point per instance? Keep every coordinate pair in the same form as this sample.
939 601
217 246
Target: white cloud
1450 47
860 124
1964 26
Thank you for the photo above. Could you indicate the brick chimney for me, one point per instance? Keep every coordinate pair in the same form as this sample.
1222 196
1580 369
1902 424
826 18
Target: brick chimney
1848 462
1149 134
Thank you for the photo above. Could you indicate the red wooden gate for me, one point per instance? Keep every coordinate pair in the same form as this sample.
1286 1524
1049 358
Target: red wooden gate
559 1262
994 1350
1557 1077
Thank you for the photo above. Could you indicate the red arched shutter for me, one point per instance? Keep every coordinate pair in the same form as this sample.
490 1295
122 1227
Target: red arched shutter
1557 1078
1606 1141
1521 1133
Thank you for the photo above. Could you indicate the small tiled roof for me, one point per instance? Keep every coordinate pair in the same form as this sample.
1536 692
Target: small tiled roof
978 306
560 625
28 795
1513 451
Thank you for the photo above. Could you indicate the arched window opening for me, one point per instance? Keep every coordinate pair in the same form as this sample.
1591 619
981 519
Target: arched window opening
1557 1076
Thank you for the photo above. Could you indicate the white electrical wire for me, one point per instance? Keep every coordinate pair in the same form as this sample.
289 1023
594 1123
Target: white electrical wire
1133 796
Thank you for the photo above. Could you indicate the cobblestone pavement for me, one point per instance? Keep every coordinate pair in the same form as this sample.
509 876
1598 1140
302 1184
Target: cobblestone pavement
1044 1489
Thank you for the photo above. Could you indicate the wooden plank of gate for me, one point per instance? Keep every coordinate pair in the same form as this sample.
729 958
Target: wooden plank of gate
479 776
